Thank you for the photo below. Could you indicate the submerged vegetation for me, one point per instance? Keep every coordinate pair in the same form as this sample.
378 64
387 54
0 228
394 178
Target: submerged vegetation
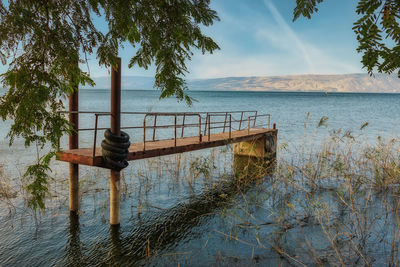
346 189
331 200
6 189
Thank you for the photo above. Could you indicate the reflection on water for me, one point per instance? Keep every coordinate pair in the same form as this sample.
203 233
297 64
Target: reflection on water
74 248
246 168
143 238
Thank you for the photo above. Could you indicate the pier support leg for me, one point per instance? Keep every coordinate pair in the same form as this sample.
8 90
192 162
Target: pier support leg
264 147
115 129
73 187
74 144
255 158
115 197
74 251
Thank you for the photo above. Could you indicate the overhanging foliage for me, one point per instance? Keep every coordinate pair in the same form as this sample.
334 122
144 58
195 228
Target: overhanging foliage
43 41
377 31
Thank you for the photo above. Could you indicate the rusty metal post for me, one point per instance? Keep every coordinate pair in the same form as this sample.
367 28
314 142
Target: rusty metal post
144 133
226 115
74 144
255 118
241 118
183 124
230 126
209 127
205 125
175 131
200 129
154 128
115 129
95 136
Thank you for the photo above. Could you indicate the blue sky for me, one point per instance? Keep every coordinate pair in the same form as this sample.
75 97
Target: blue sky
258 38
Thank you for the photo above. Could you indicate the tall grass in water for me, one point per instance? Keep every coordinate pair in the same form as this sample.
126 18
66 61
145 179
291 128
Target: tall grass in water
326 201
6 189
334 201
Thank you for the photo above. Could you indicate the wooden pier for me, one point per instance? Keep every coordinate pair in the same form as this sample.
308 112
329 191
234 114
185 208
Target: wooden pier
251 131
137 151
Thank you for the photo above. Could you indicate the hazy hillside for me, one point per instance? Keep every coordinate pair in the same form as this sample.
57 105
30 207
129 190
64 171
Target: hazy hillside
326 83
127 82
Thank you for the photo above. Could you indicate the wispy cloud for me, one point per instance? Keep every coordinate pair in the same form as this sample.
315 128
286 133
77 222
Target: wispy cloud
263 42
292 36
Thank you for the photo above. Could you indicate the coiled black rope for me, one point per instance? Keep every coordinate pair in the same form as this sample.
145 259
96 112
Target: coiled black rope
115 150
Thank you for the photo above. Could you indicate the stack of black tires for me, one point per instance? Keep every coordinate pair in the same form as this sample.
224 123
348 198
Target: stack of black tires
115 150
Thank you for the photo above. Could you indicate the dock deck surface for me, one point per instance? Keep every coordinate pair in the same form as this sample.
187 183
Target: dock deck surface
84 156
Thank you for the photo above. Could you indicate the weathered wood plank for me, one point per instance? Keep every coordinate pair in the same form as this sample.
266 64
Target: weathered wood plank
164 147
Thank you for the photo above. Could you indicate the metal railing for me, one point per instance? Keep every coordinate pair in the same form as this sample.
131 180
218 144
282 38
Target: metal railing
208 120
175 115
217 124
259 125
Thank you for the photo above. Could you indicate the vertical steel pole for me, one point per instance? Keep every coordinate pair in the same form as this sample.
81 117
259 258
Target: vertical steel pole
183 124
209 127
230 126
95 135
205 125
115 129
226 115
255 118
199 128
74 144
175 131
241 118
154 129
144 133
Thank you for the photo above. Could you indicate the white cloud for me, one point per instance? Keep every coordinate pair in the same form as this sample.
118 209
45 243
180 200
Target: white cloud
223 65
285 52
290 34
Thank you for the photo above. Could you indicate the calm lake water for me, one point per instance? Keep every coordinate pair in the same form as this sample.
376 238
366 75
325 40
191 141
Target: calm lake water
171 215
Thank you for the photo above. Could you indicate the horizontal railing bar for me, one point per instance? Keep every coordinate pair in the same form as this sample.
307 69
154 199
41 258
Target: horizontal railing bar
183 113
263 115
151 127
167 126
162 126
236 111
169 114
158 113
141 127
215 122
85 112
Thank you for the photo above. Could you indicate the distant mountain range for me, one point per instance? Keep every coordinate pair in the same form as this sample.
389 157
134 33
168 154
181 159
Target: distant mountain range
305 83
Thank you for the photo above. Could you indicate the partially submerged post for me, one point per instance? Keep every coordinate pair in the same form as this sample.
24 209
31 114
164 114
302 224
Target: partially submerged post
116 130
255 157
264 147
74 144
